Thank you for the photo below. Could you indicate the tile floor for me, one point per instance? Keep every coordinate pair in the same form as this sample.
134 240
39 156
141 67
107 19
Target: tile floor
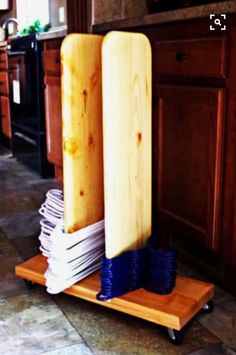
34 322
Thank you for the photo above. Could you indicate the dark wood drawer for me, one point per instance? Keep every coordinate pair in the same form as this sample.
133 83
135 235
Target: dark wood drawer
5 116
52 63
202 57
4 86
3 60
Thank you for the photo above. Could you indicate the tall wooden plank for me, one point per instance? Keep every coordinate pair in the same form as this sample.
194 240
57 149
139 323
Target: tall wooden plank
126 62
82 130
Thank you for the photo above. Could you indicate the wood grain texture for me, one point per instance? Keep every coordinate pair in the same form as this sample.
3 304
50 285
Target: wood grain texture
4 85
189 169
52 94
82 130
173 310
204 57
53 112
6 116
127 141
78 16
3 59
228 242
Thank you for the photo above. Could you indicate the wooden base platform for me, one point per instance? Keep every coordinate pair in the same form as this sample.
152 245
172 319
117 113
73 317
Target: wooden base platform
173 310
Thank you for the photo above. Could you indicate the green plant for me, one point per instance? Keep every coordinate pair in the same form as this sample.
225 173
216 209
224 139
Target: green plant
36 27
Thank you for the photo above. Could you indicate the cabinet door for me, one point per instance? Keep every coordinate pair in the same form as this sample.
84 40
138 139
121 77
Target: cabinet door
4 86
188 147
53 120
5 116
3 59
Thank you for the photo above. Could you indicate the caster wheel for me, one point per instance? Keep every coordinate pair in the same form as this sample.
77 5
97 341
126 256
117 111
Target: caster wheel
175 336
208 307
30 284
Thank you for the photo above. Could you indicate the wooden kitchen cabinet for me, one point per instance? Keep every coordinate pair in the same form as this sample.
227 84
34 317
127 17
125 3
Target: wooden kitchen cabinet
189 97
54 126
52 81
194 144
188 160
4 96
6 118
194 57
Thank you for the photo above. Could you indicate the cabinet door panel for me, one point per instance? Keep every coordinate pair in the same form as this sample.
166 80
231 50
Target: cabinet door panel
52 62
5 115
3 59
188 160
204 57
4 86
53 120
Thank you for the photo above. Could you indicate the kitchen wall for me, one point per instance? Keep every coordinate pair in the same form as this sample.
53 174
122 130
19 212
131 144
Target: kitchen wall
107 10
54 6
5 14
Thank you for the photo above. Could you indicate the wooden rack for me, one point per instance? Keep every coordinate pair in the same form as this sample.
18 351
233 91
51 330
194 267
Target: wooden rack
172 311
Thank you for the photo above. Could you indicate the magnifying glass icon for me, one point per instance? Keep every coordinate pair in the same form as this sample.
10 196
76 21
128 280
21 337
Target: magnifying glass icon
217 22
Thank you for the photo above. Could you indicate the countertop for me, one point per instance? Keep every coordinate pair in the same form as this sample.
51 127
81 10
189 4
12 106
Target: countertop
186 13
56 32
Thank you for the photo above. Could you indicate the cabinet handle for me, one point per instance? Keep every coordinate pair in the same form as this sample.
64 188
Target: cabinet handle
180 57
57 60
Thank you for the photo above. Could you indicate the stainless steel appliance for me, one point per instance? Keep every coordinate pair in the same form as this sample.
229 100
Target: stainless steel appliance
27 104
